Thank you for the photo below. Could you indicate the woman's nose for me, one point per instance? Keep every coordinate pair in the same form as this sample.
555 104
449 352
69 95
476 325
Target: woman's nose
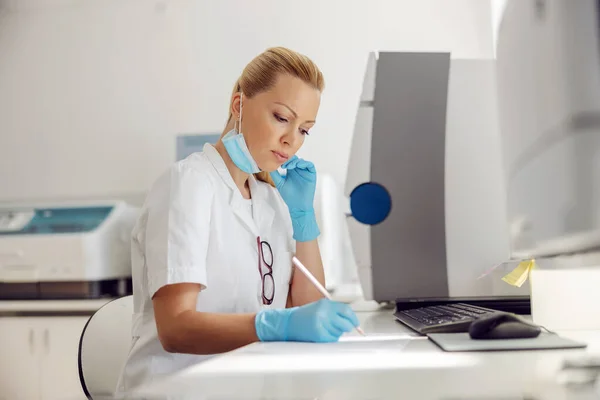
291 138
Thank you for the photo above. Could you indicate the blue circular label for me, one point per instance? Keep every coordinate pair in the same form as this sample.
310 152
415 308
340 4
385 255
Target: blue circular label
370 203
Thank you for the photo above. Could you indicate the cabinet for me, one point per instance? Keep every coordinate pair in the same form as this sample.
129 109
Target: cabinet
58 364
38 357
19 375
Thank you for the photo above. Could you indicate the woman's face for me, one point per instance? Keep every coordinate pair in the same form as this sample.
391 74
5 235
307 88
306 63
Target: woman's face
275 123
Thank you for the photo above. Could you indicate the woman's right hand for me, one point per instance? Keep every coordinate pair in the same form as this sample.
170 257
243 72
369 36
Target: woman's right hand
321 321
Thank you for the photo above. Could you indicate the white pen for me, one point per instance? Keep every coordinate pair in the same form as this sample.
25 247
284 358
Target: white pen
317 284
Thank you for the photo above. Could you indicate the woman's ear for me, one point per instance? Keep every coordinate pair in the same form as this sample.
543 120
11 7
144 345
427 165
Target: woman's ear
235 105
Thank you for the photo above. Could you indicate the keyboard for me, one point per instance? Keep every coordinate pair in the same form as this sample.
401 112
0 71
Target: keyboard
447 318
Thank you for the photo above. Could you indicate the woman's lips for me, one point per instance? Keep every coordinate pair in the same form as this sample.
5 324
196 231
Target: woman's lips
281 157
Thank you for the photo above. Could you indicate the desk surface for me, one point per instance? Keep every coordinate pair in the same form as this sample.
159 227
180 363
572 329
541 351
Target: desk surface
399 364
50 307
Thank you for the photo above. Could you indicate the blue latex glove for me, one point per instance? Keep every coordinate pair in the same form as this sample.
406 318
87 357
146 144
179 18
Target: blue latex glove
321 321
297 188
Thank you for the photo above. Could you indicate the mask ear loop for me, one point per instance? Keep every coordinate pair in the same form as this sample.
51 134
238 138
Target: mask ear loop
239 121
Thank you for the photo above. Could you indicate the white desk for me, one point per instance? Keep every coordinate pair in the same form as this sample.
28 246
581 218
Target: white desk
409 367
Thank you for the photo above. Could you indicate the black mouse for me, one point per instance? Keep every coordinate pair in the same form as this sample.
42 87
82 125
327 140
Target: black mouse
502 325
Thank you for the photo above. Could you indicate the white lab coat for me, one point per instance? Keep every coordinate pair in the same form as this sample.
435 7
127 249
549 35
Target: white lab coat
195 226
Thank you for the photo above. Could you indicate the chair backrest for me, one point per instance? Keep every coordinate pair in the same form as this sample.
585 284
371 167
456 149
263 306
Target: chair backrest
103 347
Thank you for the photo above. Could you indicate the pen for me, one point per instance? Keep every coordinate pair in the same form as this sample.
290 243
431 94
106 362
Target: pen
317 284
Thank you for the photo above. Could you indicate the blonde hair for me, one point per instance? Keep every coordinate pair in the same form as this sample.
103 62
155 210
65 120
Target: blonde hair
261 74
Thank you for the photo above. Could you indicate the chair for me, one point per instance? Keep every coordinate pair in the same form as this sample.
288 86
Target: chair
103 347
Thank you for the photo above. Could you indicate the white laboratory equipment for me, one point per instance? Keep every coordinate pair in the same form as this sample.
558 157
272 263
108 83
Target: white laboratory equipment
65 251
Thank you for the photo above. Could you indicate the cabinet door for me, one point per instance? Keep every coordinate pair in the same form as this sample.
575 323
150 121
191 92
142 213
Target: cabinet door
19 366
59 337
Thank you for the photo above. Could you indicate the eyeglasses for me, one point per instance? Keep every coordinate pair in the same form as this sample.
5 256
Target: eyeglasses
265 267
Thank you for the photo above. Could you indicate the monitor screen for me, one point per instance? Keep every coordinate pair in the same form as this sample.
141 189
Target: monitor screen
548 81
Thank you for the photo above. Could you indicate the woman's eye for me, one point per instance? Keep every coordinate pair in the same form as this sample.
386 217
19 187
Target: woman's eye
305 132
279 118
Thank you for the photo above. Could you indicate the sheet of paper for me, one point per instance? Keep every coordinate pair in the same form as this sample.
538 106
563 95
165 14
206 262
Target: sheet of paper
380 338
519 275
346 345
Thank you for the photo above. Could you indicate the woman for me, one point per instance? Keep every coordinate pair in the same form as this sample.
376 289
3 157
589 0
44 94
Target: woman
212 249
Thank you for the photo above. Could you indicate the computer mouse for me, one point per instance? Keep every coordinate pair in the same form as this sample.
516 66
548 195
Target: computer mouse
502 325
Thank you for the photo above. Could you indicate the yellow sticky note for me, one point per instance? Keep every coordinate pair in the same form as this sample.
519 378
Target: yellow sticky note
519 275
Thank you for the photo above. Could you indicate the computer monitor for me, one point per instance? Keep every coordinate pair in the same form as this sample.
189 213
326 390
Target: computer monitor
427 131
463 149
548 78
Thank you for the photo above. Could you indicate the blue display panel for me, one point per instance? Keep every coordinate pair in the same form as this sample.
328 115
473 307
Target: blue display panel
60 220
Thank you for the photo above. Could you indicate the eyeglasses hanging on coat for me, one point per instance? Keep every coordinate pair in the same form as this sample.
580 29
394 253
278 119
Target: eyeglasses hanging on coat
265 267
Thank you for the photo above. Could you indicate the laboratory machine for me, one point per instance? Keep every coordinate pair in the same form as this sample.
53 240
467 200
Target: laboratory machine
65 251
426 133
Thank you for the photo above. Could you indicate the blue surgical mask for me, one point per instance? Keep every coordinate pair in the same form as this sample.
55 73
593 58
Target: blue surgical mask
238 149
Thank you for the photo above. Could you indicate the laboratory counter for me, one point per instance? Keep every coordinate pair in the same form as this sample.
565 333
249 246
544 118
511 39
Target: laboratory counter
40 338
73 307
390 362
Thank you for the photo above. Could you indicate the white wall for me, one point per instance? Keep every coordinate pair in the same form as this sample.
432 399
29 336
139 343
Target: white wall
92 93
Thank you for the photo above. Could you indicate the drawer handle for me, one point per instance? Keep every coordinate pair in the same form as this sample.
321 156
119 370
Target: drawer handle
46 341
31 342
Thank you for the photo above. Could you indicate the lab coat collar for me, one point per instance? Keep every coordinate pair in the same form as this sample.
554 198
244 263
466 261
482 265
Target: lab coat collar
262 212
217 161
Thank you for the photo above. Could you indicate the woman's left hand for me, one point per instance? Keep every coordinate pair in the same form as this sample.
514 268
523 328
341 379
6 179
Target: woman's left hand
297 188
